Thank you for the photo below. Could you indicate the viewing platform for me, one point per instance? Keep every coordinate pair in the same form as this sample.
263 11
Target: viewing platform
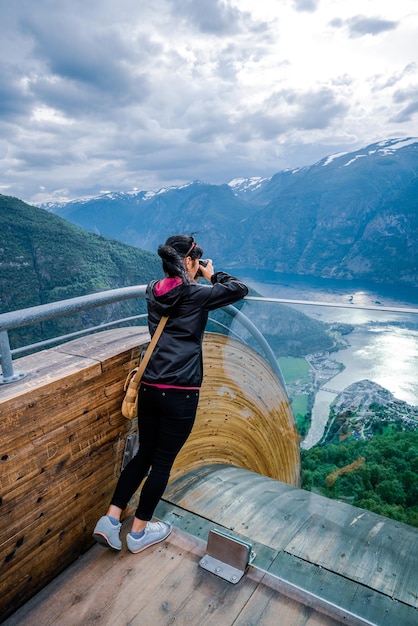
317 561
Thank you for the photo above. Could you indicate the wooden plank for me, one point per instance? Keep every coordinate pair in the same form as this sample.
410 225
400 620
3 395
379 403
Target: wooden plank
43 369
65 359
268 511
107 343
268 607
63 491
48 453
348 595
48 532
59 455
367 548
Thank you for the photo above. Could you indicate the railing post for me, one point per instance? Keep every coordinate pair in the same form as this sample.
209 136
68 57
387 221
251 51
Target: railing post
8 375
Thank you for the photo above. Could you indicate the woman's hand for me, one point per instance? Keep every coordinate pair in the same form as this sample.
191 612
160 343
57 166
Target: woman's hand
207 270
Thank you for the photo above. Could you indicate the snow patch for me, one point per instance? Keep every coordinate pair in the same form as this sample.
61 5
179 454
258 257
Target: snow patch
358 156
387 147
247 184
332 158
396 144
390 146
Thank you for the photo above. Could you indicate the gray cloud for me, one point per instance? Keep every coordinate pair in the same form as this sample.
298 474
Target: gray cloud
360 25
408 101
111 95
99 60
15 102
387 82
306 5
283 110
214 17
313 109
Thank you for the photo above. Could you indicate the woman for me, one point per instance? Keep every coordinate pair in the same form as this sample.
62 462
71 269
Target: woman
169 390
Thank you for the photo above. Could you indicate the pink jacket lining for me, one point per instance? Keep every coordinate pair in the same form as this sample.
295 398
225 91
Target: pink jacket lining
165 285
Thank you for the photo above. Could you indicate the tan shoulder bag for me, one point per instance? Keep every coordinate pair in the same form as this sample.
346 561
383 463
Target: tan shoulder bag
133 380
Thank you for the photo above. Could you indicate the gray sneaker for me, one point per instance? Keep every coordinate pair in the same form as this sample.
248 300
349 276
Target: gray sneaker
154 533
107 534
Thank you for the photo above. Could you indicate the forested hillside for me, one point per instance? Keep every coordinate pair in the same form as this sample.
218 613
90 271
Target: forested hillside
44 259
48 259
379 475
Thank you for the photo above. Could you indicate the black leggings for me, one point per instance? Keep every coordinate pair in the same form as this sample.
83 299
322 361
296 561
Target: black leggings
166 418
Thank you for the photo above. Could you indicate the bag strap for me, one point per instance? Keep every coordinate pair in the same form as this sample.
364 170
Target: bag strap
144 362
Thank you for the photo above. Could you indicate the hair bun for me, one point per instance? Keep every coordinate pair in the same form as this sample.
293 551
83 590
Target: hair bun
167 252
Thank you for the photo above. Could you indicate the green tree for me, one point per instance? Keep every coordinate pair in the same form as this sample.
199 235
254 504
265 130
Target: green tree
387 483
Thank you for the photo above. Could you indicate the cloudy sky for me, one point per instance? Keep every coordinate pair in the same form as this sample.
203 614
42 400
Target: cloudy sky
102 95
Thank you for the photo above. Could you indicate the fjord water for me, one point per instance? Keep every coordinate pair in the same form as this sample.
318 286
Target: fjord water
383 346
295 287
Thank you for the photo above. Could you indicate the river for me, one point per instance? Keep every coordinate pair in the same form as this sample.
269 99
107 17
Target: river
382 348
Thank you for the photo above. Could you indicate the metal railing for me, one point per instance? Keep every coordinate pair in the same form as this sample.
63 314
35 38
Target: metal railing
41 313
51 310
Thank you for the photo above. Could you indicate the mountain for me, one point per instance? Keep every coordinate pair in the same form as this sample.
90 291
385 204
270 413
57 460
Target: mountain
351 215
146 219
44 258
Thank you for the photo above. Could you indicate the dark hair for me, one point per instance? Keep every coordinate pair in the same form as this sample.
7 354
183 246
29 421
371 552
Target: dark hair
175 249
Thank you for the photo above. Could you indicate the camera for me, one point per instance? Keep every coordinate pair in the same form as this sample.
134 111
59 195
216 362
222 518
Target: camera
199 273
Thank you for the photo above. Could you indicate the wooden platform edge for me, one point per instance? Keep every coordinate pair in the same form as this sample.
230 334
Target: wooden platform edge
325 591
275 577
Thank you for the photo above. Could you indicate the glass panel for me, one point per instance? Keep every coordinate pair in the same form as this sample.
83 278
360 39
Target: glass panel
350 369
351 377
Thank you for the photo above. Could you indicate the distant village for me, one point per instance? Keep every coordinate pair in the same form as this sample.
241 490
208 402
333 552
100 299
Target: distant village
361 410
365 409
324 368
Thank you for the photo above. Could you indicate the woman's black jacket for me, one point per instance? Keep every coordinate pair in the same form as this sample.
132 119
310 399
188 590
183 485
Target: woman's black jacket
177 358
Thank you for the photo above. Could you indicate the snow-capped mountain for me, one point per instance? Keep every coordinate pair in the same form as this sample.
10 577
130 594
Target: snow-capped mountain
350 215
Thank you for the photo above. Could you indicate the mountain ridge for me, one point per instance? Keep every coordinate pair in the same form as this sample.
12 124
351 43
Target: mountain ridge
254 183
44 258
348 216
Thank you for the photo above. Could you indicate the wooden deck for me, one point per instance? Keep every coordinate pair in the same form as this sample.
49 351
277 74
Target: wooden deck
161 586
318 563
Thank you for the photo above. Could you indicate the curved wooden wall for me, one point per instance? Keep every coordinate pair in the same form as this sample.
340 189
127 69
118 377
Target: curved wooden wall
244 416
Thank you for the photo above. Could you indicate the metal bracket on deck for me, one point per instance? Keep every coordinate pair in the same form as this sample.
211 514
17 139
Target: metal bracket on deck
227 557
131 448
13 378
